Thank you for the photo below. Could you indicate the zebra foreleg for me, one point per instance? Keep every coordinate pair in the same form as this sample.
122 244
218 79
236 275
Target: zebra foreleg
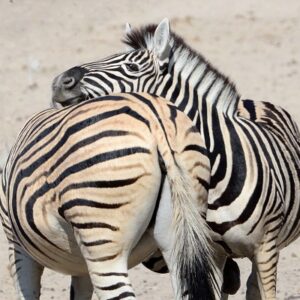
25 272
81 288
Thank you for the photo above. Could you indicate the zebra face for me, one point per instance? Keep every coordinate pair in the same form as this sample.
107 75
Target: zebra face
139 70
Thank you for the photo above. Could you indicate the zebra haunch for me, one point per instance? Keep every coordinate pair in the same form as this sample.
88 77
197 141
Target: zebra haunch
253 147
80 187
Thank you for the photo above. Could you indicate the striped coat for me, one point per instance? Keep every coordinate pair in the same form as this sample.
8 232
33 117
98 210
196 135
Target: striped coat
253 147
80 187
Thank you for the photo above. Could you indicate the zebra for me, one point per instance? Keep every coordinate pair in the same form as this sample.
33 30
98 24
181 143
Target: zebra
253 201
86 186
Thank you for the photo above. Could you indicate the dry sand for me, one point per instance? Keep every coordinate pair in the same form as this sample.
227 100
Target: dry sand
256 43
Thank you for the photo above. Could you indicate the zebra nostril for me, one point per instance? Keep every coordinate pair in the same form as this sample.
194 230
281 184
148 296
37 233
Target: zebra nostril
69 82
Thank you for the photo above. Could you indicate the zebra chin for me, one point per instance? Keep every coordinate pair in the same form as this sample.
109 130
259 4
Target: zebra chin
61 102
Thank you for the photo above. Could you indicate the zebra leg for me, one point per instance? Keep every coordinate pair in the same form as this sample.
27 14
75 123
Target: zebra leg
106 247
109 275
81 288
107 266
253 292
266 260
220 262
25 272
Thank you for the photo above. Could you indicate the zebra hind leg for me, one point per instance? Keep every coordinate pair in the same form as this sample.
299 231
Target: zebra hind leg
109 276
253 292
265 260
81 288
106 260
25 272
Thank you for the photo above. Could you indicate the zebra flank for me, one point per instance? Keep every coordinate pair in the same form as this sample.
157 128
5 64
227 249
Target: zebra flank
253 202
83 189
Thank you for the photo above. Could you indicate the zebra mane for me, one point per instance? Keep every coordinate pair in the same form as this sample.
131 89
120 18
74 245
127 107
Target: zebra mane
143 39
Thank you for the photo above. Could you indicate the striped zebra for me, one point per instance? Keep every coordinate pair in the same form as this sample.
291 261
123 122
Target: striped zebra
253 147
80 187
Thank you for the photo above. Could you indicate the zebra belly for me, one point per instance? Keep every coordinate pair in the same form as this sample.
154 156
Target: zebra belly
240 244
234 239
66 256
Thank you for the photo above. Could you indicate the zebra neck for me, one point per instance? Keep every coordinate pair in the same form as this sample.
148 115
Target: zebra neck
198 86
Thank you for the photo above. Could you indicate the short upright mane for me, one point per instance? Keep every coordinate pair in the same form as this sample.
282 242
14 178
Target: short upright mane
143 38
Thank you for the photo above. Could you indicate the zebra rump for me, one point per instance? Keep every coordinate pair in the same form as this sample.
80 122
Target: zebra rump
80 187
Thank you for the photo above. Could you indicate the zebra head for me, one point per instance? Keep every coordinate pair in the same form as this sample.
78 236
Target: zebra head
141 68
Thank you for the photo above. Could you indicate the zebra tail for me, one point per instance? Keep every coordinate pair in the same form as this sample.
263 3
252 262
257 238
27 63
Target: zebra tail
192 255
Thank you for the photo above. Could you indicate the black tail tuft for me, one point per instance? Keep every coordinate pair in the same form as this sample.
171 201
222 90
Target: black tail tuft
196 282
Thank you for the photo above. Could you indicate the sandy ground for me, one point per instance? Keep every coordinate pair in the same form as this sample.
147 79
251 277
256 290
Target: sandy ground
257 43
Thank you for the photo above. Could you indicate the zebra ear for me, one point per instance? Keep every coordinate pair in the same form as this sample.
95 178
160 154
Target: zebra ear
128 30
161 39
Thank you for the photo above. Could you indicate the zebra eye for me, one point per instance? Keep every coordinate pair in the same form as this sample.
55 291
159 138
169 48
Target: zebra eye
132 67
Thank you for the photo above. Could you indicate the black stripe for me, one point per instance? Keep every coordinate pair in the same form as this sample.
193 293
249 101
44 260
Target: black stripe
99 184
92 225
3 209
162 180
224 246
173 115
250 107
204 116
184 102
103 258
88 203
203 183
96 243
113 286
122 296
177 89
168 84
111 274
193 147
